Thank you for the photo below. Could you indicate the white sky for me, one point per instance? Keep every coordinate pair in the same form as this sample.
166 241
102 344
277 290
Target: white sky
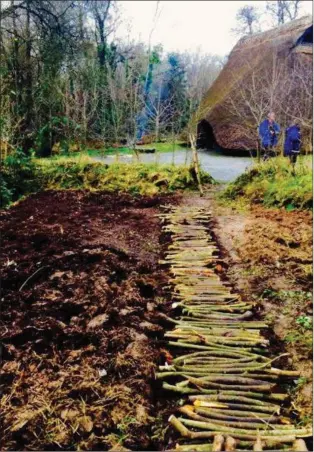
187 25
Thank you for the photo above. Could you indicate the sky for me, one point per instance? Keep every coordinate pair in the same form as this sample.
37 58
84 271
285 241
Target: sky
190 25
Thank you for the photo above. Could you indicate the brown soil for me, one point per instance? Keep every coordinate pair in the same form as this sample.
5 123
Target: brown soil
81 290
268 252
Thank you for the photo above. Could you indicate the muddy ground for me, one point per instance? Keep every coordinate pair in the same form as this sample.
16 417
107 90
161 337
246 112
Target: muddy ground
81 293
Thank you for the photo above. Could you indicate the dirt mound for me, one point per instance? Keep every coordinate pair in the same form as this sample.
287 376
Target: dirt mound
80 289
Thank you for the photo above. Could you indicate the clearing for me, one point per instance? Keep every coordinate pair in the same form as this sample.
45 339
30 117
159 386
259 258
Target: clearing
84 300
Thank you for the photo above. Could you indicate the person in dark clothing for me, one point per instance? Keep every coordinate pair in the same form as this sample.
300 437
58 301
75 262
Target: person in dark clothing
268 132
292 144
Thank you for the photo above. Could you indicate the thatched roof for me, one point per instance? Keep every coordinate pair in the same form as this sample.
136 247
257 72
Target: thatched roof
246 57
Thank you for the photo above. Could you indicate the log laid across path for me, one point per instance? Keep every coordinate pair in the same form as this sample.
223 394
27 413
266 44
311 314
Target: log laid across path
220 360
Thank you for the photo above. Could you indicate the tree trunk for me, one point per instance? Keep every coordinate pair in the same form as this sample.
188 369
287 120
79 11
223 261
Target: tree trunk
17 96
27 140
196 163
258 151
157 128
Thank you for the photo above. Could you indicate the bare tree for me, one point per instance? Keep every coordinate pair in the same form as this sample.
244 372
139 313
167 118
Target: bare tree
247 20
283 10
201 72
292 9
297 107
285 89
159 112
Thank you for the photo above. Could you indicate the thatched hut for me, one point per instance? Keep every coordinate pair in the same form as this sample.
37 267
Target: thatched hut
267 71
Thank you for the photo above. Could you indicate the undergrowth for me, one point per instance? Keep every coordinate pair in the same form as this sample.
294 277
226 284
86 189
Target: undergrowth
17 178
274 184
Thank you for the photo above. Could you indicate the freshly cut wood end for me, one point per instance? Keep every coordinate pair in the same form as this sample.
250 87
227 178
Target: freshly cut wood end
299 445
203 403
189 407
230 444
218 443
179 426
258 445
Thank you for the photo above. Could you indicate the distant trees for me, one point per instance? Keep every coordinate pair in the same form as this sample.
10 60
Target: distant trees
29 28
160 113
249 17
201 72
283 10
65 78
176 91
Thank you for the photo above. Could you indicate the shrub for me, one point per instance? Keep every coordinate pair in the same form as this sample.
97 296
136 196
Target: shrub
55 132
18 177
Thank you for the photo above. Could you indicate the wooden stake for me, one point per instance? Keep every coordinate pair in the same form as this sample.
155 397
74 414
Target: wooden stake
196 163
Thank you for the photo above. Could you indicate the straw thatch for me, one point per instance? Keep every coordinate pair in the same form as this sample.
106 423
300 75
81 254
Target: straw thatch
287 43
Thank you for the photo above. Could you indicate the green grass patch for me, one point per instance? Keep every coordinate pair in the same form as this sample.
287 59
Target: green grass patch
136 178
107 151
164 147
22 175
160 148
275 184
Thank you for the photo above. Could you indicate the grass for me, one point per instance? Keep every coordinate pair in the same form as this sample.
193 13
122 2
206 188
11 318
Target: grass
106 151
136 178
274 184
164 147
89 151
160 147
22 176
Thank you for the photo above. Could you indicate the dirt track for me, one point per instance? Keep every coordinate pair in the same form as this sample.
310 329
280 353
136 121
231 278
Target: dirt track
268 257
75 335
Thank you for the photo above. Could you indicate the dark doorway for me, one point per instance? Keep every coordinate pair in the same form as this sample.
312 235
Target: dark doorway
306 37
205 136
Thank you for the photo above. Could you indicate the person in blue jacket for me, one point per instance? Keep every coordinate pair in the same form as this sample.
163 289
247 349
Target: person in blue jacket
268 132
292 144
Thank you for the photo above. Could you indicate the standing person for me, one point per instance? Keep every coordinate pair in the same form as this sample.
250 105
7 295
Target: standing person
292 142
268 132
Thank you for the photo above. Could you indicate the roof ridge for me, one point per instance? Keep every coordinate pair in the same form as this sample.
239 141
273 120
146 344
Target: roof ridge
288 25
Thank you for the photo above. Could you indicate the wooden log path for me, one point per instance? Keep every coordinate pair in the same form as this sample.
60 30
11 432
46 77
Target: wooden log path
220 361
